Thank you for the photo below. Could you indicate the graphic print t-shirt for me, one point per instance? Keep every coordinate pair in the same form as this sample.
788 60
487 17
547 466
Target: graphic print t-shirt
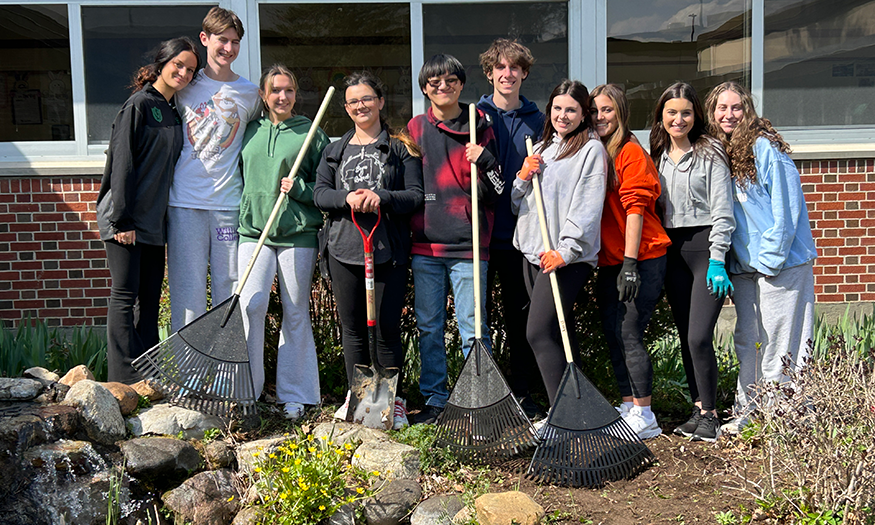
214 115
360 168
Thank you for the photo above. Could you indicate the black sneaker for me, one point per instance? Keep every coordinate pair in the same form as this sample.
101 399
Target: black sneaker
427 416
688 428
532 410
708 429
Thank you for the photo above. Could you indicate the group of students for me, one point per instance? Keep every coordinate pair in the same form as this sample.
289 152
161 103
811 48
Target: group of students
199 167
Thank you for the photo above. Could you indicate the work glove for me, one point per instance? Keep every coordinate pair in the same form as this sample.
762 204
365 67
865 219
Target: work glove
628 281
551 261
531 166
718 281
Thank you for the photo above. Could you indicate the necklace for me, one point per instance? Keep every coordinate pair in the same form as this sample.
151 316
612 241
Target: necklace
363 142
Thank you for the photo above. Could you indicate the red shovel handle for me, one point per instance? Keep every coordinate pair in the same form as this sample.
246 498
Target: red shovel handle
368 241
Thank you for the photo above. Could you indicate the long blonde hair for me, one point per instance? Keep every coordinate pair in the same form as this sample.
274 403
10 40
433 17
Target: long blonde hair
619 138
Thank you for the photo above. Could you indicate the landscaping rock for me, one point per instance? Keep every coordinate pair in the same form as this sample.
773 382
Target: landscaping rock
101 416
33 425
341 432
248 516
466 515
390 459
171 420
76 374
204 498
76 458
160 460
41 374
52 393
508 508
150 389
437 510
219 455
19 389
126 396
249 454
345 515
392 503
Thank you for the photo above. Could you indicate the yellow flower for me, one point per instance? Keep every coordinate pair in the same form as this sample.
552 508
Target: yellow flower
284 495
286 434
324 438
257 469
319 456
298 461
356 456
350 499
231 498
310 437
311 450
347 446
321 507
360 490
286 469
272 456
376 473
293 446
256 454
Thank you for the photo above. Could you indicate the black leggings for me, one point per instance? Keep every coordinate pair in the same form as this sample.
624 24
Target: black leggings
694 309
137 271
348 285
507 266
542 329
624 324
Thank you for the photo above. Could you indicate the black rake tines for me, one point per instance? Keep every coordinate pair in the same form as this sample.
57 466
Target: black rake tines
591 458
498 431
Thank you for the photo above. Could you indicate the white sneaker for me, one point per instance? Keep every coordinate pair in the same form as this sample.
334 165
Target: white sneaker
641 424
400 415
622 409
342 411
294 411
734 426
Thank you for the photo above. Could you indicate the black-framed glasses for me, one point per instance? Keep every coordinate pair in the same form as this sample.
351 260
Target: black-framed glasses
450 82
367 100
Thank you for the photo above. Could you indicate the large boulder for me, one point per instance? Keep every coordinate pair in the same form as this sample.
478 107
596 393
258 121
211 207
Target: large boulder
250 454
208 498
149 389
170 420
508 508
160 460
342 432
393 502
76 374
126 396
19 388
219 454
101 416
42 375
437 510
390 459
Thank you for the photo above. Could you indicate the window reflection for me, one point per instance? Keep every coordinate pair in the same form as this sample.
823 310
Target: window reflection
819 62
652 45
322 43
460 30
36 95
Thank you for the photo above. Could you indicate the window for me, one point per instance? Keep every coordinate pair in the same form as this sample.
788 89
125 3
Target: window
819 62
460 30
322 43
652 45
117 41
36 95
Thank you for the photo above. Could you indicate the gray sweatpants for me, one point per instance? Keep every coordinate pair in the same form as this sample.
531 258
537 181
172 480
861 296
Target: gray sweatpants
775 318
197 239
297 371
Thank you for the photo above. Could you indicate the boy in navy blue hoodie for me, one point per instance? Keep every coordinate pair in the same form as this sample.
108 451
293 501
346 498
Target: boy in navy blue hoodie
506 64
442 250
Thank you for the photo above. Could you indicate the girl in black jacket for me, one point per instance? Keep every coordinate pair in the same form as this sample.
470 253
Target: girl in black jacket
370 170
145 142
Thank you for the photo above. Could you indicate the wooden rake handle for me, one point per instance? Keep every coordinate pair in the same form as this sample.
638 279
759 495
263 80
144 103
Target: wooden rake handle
475 224
279 201
545 237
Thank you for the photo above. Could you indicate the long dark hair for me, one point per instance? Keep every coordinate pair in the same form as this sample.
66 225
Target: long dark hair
702 142
166 51
372 81
575 139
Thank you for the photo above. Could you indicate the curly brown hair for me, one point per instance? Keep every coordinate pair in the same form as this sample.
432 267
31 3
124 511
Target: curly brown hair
739 144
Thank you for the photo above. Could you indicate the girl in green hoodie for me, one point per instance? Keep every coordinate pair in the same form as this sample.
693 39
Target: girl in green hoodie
270 147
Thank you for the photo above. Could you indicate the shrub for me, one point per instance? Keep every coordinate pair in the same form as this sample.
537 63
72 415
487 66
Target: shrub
34 344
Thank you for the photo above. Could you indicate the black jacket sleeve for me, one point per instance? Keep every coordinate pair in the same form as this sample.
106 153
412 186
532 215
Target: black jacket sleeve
411 197
491 183
123 176
326 196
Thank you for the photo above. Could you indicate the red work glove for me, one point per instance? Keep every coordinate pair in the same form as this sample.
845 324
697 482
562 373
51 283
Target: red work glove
531 166
551 261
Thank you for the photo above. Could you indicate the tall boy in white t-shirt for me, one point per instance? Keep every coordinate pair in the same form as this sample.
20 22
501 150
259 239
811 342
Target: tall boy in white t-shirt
207 184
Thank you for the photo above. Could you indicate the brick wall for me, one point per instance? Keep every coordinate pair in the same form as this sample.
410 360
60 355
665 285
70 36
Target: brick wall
52 262
53 266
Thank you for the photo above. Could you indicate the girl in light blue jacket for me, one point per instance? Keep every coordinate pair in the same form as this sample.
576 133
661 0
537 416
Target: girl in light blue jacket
772 255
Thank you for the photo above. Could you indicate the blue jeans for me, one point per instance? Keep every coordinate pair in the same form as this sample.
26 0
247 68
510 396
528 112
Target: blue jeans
431 279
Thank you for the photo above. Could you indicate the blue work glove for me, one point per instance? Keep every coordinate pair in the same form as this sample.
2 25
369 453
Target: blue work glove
718 281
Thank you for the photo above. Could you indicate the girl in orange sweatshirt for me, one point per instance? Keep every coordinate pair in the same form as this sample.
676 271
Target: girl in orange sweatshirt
631 258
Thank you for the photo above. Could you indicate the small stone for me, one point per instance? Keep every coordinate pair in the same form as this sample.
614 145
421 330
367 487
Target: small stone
345 515
466 515
74 458
126 396
19 389
103 420
250 454
149 389
393 502
40 373
219 454
76 374
208 498
170 420
390 459
159 459
248 516
53 393
507 508
437 510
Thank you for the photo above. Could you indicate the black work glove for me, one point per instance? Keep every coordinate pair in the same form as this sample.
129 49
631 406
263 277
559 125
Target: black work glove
628 281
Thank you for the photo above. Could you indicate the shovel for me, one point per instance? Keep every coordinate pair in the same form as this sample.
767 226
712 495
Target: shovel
373 388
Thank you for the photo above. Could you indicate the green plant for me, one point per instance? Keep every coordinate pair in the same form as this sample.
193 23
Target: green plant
211 434
726 518
307 480
113 495
34 344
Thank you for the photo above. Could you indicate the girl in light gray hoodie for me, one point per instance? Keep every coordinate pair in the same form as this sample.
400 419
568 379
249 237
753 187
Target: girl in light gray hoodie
573 164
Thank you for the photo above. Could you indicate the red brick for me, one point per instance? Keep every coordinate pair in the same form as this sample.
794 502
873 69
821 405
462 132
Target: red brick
88 197
21 304
852 196
74 206
71 197
867 278
42 256
26 285
72 265
9 276
810 178
855 232
830 298
832 242
82 303
822 225
48 236
852 214
852 250
8 256
99 283
51 274
52 294
853 269
53 313
76 292
852 177
48 217
852 288
94 254
104 292
73 245
47 197
24 246
95 312
97 274
72 226
813 197
7 237
27 265
831 279
833 205
22 208
74 283
829 187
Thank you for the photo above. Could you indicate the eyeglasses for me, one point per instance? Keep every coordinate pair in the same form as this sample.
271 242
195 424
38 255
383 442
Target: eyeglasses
450 82
364 100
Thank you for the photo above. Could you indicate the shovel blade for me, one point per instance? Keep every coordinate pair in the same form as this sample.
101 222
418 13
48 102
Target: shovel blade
372 397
